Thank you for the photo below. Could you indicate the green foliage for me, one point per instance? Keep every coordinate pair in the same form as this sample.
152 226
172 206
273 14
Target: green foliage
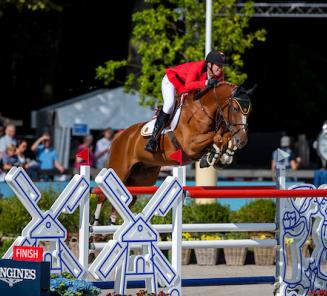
64 274
194 213
207 213
4 246
257 211
33 5
236 235
14 217
171 32
107 73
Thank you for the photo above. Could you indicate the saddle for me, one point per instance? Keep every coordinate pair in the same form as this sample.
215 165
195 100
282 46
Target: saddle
147 129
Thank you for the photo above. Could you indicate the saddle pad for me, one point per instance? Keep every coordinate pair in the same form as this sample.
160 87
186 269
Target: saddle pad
147 129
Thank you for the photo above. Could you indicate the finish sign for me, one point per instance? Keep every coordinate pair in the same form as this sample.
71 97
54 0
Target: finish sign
27 253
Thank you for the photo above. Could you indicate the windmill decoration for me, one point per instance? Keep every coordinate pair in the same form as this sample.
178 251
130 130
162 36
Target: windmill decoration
116 260
45 226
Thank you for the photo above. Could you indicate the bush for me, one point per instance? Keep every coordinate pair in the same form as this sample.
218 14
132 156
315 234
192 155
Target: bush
5 245
206 213
236 235
67 285
14 217
257 211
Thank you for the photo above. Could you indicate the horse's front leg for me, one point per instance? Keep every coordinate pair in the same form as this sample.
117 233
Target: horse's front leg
197 144
227 154
220 142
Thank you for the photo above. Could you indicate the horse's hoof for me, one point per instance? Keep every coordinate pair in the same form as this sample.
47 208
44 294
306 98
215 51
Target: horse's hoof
94 221
91 257
110 222
226 159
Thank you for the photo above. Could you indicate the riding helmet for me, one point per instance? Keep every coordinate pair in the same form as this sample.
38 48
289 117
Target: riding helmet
216 57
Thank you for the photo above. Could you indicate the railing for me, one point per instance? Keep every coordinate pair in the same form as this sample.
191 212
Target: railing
296 218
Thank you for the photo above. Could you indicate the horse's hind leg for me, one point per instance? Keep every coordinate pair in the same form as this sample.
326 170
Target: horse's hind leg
143 175
121 161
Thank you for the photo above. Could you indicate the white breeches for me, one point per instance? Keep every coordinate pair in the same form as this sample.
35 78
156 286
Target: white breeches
168 94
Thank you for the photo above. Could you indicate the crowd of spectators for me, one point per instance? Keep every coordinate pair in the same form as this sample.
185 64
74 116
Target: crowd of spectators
40 157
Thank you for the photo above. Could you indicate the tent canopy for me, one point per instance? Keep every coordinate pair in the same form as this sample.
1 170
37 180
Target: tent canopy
98 109
104 108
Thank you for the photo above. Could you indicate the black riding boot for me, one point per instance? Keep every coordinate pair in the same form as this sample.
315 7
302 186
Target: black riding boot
161 122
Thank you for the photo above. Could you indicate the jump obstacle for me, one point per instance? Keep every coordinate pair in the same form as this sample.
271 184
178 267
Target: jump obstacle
116 267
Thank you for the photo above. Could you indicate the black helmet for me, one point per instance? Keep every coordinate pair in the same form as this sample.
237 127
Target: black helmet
216 57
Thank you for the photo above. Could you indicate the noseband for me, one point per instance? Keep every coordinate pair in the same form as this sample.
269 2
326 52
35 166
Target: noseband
229 124
220 118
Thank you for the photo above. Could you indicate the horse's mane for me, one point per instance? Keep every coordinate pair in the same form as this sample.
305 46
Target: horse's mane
226 83
195 95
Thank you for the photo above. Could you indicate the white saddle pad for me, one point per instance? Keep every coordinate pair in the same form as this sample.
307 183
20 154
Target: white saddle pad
147 129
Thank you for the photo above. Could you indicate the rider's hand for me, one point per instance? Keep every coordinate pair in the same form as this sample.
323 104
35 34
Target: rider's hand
212 82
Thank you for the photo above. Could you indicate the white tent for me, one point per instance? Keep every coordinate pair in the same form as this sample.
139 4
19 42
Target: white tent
98 109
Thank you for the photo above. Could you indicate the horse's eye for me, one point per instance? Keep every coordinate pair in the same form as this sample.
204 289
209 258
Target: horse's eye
235 109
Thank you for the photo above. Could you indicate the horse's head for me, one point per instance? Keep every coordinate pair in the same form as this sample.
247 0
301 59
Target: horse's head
233 114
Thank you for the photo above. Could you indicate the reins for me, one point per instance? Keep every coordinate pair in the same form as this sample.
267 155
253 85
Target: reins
220 118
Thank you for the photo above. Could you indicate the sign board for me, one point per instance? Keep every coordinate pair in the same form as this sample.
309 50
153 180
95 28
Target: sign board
27 253
24 278
80 129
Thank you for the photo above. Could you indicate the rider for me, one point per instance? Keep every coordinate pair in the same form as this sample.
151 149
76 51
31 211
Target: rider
181 79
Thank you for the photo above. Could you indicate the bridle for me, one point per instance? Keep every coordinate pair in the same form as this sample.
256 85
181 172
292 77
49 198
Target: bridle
220 118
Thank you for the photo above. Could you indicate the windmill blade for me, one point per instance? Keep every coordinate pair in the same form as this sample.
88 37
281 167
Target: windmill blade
109 258
69 199
69 261
164 199
22 185
163 268
116 192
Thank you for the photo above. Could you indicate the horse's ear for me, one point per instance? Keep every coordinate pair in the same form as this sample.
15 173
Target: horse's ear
236 90
251 91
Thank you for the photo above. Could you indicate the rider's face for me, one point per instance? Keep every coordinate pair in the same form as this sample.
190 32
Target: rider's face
215 69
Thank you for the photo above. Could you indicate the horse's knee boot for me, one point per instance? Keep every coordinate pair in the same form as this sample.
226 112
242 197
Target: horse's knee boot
204 162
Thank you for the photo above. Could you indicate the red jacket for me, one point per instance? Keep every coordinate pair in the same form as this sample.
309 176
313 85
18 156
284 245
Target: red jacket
189 76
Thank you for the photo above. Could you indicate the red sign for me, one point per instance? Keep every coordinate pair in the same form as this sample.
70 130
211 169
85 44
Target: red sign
26 253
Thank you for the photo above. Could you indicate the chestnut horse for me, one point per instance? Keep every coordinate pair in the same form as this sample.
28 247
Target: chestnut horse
215 117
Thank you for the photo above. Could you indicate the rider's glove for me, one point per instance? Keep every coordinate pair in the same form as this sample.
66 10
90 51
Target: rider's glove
212 82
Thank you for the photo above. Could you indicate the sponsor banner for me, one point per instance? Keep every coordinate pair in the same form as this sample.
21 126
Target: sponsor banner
24 278
27 253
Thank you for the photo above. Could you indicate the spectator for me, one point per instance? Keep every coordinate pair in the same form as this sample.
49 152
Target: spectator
103 147
2 128
8 138
87 144
290 162
46 155
31 166
10 158
20 152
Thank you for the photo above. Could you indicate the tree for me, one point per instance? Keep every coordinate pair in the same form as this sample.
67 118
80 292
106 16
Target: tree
170 32
34 5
